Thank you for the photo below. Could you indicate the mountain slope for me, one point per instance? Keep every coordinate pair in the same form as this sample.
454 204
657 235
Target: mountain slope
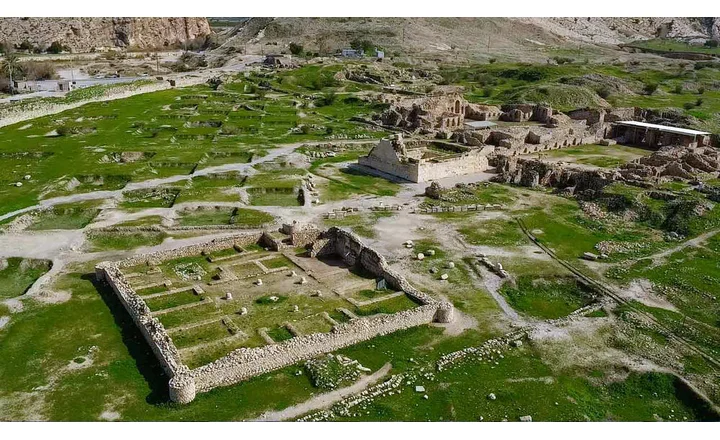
463 37
85 34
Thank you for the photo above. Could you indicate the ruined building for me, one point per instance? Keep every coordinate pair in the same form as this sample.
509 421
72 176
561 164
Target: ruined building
423 161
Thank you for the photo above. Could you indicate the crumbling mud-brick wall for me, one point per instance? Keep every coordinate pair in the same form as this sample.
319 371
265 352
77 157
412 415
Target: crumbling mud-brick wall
245 363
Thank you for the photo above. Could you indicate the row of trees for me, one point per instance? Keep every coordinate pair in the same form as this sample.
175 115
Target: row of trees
54 48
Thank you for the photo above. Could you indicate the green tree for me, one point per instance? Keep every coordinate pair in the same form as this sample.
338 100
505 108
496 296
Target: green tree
296 49
55 47
10 65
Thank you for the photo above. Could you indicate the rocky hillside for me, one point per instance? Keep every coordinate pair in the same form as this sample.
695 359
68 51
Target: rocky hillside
462 37
84 34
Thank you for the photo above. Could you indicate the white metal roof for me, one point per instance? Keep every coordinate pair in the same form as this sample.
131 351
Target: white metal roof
669 129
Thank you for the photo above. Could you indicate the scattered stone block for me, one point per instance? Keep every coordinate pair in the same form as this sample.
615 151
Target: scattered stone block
444 276
419 389
492 396
421 256
526 418
590 256
259 282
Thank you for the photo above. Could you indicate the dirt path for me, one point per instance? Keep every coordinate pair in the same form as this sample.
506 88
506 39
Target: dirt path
247 168
324 400
492 284
660 257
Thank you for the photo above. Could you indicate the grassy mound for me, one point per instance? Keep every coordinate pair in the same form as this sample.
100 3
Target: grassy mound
563 97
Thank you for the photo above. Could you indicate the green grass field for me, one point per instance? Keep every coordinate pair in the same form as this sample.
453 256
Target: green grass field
18 274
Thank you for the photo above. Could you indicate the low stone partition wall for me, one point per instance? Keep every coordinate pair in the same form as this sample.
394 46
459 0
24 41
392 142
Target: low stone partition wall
245 363
217 244
457 208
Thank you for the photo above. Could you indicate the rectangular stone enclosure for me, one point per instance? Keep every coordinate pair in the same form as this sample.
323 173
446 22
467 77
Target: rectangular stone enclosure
229 309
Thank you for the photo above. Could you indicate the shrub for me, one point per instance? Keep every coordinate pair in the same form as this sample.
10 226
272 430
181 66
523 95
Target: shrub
711 43
563 60
604 92
55 47
699 102
689 106
326 99
364 45
701 90
492 60
214 82
678 89
650 88
25 45
296 49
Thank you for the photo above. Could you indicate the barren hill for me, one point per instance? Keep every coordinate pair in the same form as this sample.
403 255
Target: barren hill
461 37
85 34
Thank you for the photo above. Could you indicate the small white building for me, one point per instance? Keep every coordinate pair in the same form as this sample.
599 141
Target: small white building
352 53
65 85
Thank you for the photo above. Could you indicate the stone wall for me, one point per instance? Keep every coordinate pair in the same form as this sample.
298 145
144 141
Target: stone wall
393 157
244 363
192 250
470 162
151 329
534 172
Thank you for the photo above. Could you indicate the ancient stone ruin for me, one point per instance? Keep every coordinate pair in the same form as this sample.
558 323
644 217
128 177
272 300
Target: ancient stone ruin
246 362
423 161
